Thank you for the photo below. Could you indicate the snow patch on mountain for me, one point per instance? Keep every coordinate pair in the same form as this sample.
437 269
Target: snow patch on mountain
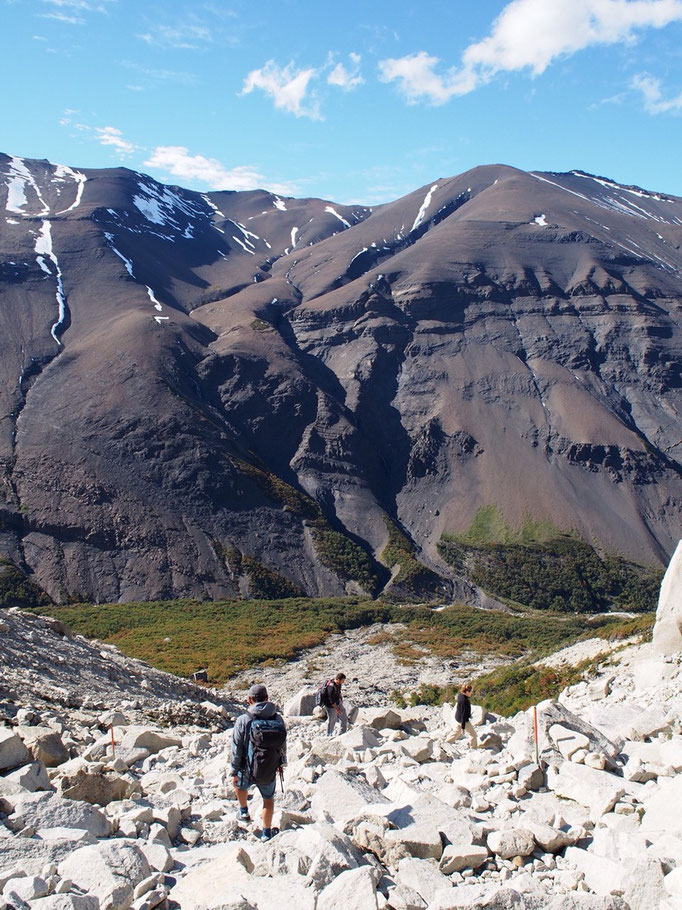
19 179
43 248
332 211
424 206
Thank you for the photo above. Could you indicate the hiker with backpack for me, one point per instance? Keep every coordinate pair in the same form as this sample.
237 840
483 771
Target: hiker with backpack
332 700
258 754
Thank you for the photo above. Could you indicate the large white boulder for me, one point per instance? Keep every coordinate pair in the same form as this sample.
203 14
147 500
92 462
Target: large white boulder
422 877
302 704
149 738
351 890
662 809
644 886
226 880
109 871
603 876
318 851
380 718
598 790
47 810
667 637
338 797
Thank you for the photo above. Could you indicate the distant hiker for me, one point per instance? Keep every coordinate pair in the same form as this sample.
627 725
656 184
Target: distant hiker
258 754
463 715
332 699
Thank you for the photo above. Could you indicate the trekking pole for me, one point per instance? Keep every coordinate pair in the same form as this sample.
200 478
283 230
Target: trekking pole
281 777
113 741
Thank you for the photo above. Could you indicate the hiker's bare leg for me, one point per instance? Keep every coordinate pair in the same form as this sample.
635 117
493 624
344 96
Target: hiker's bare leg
268 809
242 796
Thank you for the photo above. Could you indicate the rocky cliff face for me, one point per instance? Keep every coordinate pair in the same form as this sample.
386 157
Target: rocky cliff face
208 394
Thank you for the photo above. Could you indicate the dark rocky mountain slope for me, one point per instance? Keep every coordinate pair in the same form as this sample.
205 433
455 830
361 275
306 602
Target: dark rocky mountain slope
224 393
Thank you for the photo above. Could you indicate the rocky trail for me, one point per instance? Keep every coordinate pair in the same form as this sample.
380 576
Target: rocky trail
372 667
393 815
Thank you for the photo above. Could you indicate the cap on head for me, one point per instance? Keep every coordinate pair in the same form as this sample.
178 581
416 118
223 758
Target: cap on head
258 692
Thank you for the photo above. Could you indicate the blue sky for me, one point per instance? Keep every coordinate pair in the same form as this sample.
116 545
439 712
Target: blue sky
350 101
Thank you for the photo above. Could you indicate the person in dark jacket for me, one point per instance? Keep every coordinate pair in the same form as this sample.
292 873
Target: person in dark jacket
334 704
463 715
259 707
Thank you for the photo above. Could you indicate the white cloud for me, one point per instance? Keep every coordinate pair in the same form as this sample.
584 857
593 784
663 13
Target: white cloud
417 78
529 34
651 90
184 37
287 87
177 161
109 135
347 79
62 17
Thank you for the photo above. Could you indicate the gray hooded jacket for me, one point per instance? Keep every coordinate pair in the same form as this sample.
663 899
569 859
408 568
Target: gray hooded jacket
240 734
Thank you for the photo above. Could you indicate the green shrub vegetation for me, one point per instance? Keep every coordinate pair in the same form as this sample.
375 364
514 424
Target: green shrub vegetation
336 550
508 689
232 636
344 557
413 576
541 568
279 491
17 590
265 584
226 637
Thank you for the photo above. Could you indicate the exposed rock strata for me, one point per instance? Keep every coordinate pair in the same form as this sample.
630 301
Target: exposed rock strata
223 382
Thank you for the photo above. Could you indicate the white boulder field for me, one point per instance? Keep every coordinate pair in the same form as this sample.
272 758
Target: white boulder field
392 815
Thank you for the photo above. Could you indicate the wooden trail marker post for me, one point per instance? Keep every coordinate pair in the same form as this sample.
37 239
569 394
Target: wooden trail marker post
535 731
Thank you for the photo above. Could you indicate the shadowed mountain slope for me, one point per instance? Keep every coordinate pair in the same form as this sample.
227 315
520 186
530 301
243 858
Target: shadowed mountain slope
224 393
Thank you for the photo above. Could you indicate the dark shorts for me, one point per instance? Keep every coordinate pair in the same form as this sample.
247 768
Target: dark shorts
267 791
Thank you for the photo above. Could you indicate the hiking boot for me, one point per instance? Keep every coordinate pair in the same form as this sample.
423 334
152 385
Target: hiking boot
266 834
243 815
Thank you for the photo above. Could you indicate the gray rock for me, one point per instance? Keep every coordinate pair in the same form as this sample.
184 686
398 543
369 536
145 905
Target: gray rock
31 777
455 858
510 842
95 787
28 888
67 902
531 777
45 745
13 752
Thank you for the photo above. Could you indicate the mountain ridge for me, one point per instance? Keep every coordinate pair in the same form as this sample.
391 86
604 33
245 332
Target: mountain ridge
219 374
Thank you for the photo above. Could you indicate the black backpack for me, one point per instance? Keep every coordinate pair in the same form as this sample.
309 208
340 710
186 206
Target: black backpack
267 738
322 695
